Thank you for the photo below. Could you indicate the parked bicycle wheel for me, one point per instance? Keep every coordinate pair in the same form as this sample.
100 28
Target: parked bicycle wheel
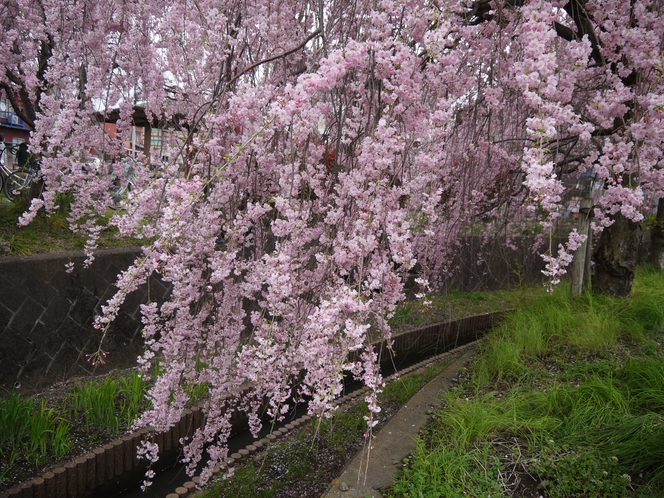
17 185
122 186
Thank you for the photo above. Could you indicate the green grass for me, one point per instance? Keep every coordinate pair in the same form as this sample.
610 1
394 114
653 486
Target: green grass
131 398
109 405
49 233
568 390
29 431
34 433
95 403
553 323
401 390
414 313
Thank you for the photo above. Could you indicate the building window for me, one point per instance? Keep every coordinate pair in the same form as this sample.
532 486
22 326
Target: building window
5 109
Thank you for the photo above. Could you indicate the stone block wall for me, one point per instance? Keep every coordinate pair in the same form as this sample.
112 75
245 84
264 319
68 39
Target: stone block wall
46 317
482 265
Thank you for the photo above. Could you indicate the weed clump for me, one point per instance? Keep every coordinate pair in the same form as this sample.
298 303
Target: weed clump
30 431
33 434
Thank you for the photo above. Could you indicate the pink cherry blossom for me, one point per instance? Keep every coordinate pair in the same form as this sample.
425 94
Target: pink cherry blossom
310 157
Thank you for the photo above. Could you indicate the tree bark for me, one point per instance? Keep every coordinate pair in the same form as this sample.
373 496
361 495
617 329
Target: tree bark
616 257
657 237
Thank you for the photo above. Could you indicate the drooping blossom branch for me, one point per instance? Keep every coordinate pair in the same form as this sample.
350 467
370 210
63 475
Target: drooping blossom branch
309 158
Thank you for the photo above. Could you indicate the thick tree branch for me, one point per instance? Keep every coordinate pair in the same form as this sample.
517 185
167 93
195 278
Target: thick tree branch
271 59
481 10
577 11
564 32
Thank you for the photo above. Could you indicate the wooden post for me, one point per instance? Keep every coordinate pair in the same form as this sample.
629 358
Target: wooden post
147 140
579 263
587 278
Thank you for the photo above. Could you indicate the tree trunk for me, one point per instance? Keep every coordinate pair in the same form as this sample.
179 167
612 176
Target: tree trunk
616 257
657 237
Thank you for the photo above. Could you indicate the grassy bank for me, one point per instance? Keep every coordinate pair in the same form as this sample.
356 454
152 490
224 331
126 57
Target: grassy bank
566 399
48 233
414 313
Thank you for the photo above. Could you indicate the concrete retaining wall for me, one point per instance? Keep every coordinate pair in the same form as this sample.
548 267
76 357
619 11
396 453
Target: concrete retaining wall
46 317
46 314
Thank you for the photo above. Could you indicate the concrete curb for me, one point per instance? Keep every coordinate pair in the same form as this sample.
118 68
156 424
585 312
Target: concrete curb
395 440
236 458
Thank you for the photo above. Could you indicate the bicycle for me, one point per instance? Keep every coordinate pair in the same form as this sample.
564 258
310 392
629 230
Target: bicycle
19 182
119 188
5 172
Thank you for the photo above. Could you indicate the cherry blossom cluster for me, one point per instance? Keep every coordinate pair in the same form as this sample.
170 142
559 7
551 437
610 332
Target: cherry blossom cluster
313 157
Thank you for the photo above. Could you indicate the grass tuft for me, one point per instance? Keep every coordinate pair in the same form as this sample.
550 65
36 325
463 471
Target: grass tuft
29 432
